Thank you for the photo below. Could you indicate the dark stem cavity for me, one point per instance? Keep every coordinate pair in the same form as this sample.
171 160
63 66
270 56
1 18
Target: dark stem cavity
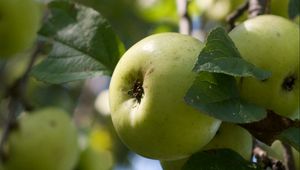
137 90
289 83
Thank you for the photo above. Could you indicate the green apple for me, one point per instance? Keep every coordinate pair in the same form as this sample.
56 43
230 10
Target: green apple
279 7
19 23
229 136
215 9
279 150
271 43
147 104
157 10
173 164
91 159
218 9
44 140
233 137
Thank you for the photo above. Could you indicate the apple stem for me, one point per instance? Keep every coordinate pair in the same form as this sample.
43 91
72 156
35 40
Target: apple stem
185 22
17 101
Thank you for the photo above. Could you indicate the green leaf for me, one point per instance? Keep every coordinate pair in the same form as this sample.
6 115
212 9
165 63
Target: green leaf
292 137
84 44
214 91
217 96
294 8
221 159
221 56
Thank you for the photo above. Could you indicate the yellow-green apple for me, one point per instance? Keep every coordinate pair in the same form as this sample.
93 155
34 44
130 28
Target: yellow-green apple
44 140
91 159
279 150
233 137
272 43
19 23
173 164
229 136
218 9
279 7
147 92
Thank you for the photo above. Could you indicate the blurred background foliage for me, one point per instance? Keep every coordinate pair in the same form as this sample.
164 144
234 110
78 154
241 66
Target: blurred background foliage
87 101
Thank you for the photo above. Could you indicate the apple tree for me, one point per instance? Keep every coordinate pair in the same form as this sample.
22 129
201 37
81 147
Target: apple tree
192 84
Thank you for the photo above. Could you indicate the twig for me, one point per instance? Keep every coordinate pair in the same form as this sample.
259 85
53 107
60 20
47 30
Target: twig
288 157
265 161
258 7
267 129
236 14
185 23
17 102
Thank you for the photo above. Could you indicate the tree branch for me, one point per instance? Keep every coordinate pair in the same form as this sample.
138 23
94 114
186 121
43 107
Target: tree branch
288 157
185 23
17 101
236 14
265 161
269 128
258 7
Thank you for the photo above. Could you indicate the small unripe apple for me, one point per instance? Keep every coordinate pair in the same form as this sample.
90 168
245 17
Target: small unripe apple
233 137
19 23
279 7
229 136
279 150
147 98
218 9
91 159
44 140
272 43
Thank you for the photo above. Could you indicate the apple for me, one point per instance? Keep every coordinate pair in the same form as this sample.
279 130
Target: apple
147 104
91 159
19 23
229 136
272 43
173 164
279 7
233 137
44 140
279 150
96 150
157 10
218 9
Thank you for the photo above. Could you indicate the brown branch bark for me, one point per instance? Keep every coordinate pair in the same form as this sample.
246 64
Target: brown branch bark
185 23
269 128
289 160
16 102
265 161
258 7
231 19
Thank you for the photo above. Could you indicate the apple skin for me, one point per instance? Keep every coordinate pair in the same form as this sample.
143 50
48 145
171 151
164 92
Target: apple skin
174 164
233 137
161 125
44 140
271 43
91 159
229 136
19 23
280 7
218 10
278 149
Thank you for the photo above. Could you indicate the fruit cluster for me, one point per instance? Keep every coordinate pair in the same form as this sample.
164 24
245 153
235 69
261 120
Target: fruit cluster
151 79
